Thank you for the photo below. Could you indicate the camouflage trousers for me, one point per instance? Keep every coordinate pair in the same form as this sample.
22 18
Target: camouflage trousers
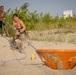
18 41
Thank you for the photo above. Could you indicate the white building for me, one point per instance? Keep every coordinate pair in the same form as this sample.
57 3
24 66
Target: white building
68 13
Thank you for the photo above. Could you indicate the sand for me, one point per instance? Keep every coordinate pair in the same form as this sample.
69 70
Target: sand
24 65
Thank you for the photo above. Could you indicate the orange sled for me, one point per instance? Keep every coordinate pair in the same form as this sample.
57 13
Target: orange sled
58 59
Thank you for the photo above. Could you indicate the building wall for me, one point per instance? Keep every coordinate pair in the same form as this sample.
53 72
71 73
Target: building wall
67 13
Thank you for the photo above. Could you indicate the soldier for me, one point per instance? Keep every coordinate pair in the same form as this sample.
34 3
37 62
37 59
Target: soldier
20 34
2 17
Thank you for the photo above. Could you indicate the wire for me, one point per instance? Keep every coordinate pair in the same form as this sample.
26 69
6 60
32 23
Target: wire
23 38
4 62
29 43
18 59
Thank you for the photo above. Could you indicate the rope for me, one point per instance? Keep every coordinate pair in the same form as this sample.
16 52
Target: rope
4 62
23 38
18 59
9 24
29 43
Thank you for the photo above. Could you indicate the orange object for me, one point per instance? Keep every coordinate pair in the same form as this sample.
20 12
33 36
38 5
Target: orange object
58 59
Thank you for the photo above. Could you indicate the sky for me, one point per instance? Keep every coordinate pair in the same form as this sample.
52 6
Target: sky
54 7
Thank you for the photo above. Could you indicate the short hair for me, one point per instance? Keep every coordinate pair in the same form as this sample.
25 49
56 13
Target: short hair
1 6
15 15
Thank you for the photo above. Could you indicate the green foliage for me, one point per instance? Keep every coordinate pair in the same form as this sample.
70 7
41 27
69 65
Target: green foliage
1 32
47 18
35 21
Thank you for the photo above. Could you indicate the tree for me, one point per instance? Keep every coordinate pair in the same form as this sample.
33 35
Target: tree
47 18
24 6
55 21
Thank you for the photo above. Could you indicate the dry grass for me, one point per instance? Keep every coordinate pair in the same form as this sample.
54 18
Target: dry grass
61 35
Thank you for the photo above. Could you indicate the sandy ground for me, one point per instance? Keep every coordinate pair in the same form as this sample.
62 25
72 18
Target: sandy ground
9 65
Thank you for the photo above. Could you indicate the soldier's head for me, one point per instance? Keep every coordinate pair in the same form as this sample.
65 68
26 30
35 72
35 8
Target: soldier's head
2 7
15 17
